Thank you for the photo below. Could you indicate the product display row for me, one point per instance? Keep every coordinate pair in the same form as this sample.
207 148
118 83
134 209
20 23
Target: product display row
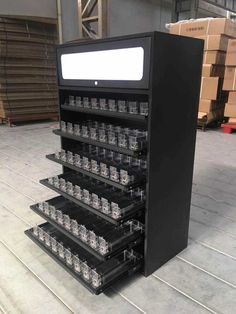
93 231
106 163
131 107
100 196
116 135
89 268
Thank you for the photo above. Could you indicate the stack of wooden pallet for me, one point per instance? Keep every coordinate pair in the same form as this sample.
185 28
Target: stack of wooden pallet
28 87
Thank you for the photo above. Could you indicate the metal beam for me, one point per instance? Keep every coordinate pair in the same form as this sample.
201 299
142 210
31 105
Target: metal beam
92 18
102 16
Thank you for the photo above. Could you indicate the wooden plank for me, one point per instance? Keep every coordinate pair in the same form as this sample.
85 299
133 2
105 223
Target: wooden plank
28 87
24 96
44 20
26 54
28 63
34 38
44 105
29 103
27 71
26 80
9 45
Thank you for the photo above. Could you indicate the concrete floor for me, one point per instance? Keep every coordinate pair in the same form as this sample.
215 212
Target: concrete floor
201 279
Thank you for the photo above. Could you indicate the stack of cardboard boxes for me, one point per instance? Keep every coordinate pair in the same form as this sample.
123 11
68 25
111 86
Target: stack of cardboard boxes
216 32
230 81
28 84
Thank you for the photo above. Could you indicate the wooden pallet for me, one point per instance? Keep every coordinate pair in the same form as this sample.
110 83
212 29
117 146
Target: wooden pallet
210 120
204 125
12 121
228 127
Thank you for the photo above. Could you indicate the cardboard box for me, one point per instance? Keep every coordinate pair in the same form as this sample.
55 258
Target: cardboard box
215 42
214 57
211 70
232 98
230 110
230 79
206 105
201 27
231 53
209 88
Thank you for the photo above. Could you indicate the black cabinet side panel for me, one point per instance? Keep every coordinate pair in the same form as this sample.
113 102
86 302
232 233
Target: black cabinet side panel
175 79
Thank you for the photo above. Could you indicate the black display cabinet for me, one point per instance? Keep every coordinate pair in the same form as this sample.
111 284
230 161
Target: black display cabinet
128 114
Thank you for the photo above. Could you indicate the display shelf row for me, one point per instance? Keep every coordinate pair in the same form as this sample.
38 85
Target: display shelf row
106 113
117 91
132 107
97 194
126 151
92 233
137 181
110 133
94 274
135 208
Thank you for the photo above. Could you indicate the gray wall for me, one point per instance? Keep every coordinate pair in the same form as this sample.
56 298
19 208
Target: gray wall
42 8
134 16
124 16
70 24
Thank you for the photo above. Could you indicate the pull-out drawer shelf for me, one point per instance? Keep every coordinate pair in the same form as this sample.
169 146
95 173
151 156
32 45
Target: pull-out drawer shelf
94 274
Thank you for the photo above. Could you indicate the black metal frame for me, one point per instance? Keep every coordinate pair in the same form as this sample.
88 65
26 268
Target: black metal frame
171 86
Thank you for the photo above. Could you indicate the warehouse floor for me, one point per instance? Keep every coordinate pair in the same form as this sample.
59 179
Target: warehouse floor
201 279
